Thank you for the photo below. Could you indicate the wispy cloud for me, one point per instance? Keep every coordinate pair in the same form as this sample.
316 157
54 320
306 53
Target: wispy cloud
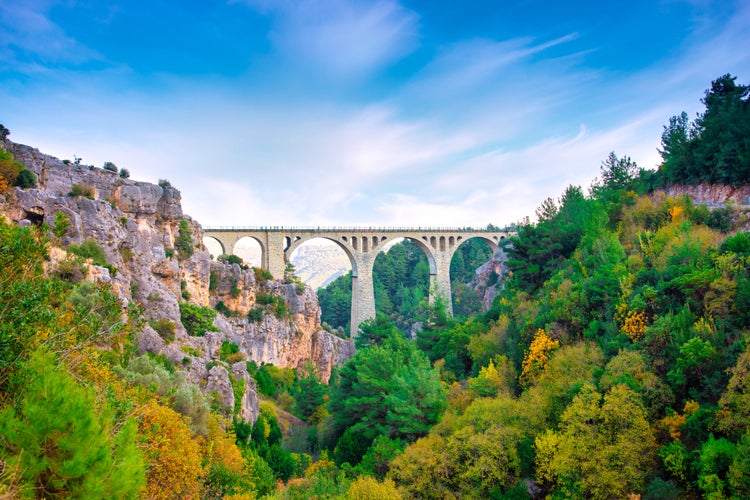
339 39
29 41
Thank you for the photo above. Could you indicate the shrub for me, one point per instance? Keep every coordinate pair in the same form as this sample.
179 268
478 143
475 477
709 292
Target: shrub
262 275
234 291
232 259
164 183
255 315
89 249
213 281
9 169
82 190
26 179
4 132
61 224
228 348
124 173
191 351
721 219
197 320
277 305
165 328
184 241
223 309
109 166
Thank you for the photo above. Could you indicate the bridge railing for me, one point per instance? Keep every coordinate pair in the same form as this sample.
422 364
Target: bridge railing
344 229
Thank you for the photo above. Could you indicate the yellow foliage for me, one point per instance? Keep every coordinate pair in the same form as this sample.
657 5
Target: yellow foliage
691 407
675 212
3 184
324 466
369 488
634 325
220 446
458 397
173 454
673 425
537 356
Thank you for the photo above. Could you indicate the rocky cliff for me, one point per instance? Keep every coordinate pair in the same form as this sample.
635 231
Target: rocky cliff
490 277
712 193
143 233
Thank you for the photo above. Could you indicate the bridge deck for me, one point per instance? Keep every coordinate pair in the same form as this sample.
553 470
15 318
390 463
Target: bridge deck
336 229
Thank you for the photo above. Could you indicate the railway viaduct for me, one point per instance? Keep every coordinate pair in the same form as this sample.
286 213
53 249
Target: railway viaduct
361 246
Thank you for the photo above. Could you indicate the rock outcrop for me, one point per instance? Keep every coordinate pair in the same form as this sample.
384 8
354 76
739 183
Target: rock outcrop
712 193
490 278
137 225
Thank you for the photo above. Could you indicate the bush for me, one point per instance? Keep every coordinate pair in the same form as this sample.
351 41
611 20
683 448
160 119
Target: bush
277 305
227 349
9 169
234 291
26 179
255 315
89 249
213 281
165 328
184 241
232 259
721 219
197 320
124 173
164 183
82 190
223 309
262 275
109 166
61 224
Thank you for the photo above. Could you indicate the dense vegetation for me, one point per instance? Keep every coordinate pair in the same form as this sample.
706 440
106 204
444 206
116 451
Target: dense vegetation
401 279
715 147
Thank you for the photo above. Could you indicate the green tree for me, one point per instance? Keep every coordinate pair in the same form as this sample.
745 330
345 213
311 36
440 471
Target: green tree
385 389
60 443
308 391
604 449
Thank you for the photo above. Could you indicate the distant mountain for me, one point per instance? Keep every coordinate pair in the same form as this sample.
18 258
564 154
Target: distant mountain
318 265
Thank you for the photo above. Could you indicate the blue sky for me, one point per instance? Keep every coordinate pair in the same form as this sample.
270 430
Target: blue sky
332 112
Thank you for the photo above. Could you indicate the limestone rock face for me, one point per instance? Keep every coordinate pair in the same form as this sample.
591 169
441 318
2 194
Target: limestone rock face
218 381
712 193
250 402
490 277
136 225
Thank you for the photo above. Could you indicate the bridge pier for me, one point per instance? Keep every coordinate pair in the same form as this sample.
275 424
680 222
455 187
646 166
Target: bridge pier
440 282
363 291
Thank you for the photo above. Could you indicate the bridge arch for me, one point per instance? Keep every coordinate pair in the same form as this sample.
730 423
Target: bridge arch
293 243
216 240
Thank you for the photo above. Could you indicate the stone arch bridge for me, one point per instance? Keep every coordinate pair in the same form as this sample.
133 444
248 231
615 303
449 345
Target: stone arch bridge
362 246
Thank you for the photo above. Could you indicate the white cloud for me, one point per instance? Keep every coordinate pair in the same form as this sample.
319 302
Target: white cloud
339 39
26 28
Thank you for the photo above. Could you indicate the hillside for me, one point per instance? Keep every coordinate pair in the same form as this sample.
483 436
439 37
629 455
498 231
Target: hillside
124 268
